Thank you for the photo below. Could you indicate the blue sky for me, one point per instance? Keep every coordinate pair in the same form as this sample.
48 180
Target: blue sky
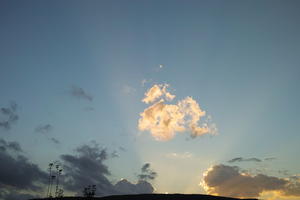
238 59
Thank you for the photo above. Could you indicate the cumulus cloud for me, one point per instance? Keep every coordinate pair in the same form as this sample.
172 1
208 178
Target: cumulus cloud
240 159
230 181
156 91
87 167
126 187
8 116
164 120
80 93
17 173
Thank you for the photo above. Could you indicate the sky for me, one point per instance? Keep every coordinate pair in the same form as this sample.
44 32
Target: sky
164 96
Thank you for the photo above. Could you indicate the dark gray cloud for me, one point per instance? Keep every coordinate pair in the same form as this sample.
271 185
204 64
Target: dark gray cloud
8 116
87 167
44 128
147 173
14 146
230 181
80 93
16 171
240 159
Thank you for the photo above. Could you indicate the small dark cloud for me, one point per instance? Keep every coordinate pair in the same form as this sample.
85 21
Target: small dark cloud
8 116
80 93
114 154
54 140
16 171
240 159
230 181
122 149
269 158
147 173
44 128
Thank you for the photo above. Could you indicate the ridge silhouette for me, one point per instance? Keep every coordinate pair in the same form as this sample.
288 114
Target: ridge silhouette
149 197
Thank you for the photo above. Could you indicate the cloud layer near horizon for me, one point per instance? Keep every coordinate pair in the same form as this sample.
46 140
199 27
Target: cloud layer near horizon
164 120
21 179
87 167
230 181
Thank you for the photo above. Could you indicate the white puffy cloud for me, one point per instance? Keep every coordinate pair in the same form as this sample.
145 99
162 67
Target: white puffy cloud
157 91
164 120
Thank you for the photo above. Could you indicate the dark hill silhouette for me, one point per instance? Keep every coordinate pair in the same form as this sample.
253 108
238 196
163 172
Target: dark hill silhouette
149 197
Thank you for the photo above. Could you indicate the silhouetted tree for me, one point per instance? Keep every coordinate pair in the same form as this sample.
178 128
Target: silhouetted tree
89 191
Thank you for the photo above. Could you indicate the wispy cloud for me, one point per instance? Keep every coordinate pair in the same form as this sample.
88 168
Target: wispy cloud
54 140
269 158
80 93
185 155
128 90
44 128
240 159
8 116
164 120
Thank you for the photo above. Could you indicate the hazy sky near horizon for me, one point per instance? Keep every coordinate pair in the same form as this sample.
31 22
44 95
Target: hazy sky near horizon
83 67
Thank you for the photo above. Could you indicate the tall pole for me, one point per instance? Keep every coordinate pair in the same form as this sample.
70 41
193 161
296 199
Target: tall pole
50 176
58 173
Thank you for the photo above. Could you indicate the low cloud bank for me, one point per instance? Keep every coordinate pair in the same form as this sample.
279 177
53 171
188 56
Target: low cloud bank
87 167
230 181
21 179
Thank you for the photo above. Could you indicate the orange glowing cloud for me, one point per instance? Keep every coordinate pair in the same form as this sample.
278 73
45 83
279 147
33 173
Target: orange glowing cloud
164 120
